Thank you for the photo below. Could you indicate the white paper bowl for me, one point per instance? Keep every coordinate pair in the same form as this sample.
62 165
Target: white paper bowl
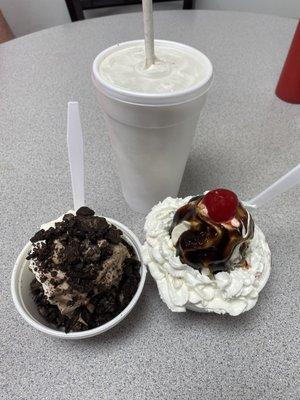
23 300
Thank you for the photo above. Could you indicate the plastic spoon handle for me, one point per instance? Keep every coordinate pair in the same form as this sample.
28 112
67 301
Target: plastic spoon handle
75 150
283 184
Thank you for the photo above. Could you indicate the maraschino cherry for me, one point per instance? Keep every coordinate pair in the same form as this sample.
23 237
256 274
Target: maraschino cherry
221 204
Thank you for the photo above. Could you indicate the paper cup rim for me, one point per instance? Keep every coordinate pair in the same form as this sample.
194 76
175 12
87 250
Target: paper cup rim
153 99
24 312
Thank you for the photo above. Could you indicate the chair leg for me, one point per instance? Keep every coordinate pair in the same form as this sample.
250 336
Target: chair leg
188 4
75 10
5 31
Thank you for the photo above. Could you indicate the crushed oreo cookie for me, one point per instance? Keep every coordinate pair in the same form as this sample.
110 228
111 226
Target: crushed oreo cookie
85 271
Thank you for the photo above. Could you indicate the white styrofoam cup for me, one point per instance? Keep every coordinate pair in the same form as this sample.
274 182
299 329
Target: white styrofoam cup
151 134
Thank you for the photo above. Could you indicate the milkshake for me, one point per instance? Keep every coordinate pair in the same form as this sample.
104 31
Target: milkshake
174 70
151 114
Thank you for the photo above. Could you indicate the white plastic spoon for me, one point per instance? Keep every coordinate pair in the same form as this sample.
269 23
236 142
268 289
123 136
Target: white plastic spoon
75 150
283 184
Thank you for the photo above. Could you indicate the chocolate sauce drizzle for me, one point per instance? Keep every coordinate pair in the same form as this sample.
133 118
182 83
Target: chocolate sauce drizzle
207 243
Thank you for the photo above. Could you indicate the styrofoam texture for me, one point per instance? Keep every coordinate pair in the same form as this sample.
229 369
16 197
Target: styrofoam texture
151 134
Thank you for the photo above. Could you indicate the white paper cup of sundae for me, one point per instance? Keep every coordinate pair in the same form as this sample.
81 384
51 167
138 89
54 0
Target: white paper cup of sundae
79 276
206 254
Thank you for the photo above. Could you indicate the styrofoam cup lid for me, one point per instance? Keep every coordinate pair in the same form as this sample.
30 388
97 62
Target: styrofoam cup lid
156 99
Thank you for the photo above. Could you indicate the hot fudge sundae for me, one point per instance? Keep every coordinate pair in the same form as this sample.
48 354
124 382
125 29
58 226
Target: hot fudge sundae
206 253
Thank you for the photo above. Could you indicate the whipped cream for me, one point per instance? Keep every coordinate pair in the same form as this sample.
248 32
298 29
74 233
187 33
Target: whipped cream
174 69
181 287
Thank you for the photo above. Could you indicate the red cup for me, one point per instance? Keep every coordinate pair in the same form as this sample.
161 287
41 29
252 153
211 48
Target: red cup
288 87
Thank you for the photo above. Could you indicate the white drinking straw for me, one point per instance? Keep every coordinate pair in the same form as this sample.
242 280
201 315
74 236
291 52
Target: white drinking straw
148 32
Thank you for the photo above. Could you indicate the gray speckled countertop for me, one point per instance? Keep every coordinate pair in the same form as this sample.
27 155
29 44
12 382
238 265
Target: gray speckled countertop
246 139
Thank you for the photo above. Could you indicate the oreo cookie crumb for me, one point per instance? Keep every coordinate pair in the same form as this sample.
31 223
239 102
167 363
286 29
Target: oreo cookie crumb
85 212
105 306
78 251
